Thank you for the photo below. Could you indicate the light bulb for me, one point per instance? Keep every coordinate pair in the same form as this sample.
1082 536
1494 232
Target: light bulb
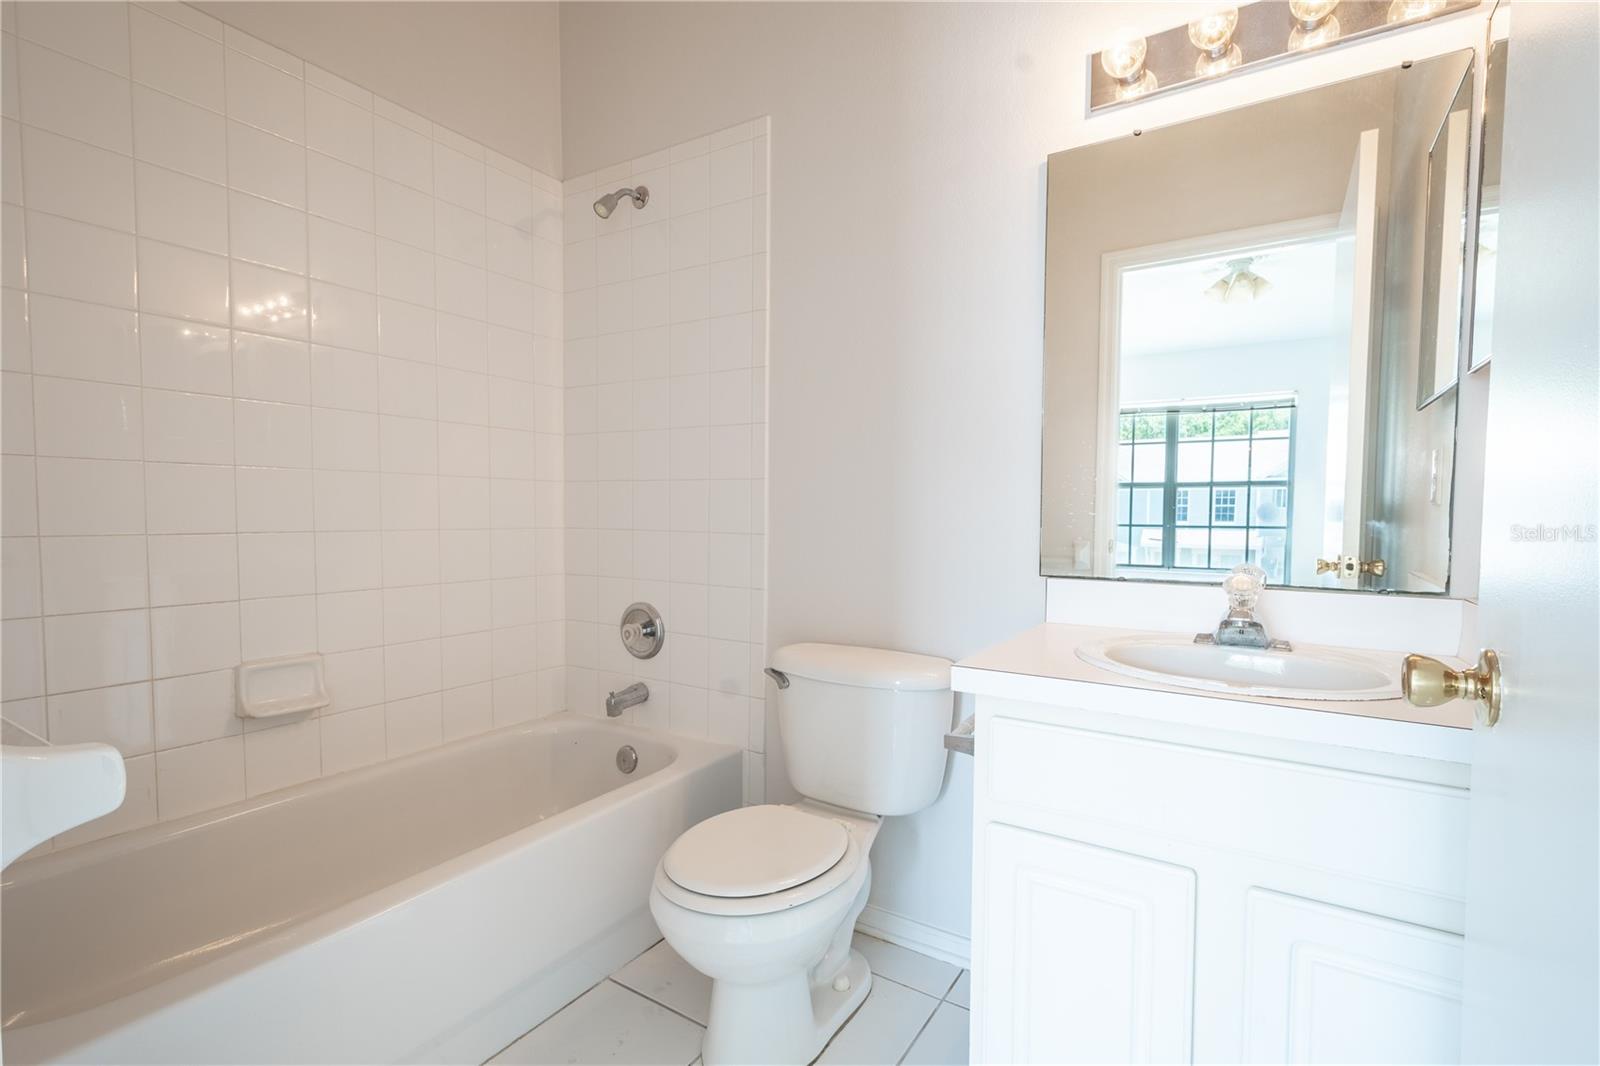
1304 40
1124 60
1310 13
1212 33
1139 87
1407 10
1208 66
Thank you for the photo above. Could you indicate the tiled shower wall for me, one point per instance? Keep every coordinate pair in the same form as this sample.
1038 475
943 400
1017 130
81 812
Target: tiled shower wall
282 373
666 399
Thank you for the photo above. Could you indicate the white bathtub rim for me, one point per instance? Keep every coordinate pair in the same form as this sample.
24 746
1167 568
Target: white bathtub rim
94 1021
48 863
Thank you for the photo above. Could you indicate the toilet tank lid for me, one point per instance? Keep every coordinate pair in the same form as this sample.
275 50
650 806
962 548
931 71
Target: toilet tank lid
846 664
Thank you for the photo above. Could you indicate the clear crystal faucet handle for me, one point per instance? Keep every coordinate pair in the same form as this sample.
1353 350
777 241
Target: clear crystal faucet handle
1243 586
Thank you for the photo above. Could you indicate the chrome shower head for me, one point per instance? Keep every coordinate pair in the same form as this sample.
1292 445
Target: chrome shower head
608 203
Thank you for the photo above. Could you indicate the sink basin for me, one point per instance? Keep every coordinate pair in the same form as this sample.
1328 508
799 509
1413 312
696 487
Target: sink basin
47 789
1307 673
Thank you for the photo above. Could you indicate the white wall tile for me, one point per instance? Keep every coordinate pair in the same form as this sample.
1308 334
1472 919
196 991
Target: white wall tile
74 99
182 210
80 181
338 127
199 777
176 60
93 32
119 715
86 419
84 574
95 650
67 258
193 568
194 639
186 427
339 191
86 497
265 165
182 283
178 135
271 368
265 97
203 460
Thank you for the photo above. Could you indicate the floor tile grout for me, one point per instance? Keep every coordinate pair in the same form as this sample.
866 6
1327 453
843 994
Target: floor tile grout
647 996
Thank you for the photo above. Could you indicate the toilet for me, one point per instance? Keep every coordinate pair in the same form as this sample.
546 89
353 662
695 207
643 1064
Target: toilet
763 900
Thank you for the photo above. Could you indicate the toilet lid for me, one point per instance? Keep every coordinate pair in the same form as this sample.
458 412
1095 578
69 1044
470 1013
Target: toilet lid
755 851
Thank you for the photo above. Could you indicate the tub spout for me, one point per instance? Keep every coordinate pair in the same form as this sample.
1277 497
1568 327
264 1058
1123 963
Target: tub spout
617 702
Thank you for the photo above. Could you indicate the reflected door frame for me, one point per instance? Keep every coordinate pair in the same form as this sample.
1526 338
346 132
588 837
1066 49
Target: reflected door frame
1108 408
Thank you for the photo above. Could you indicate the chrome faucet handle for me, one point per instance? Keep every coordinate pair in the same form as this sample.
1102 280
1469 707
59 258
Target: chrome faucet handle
1243 586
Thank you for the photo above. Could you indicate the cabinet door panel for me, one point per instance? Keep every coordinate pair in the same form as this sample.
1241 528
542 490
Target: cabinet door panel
1326 984
1090 953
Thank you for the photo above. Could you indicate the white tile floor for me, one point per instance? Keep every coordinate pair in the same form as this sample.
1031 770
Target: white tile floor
652 1012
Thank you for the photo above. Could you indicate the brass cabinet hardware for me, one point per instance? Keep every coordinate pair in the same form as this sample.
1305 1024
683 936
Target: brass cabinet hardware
1428 683
1350 566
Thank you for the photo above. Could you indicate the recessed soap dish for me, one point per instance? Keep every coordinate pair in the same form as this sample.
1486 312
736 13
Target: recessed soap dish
272 688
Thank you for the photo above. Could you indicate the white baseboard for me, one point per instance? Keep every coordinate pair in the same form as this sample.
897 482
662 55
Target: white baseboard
918 936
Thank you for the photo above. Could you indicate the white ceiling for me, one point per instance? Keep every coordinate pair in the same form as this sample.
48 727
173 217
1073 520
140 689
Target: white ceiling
1165 309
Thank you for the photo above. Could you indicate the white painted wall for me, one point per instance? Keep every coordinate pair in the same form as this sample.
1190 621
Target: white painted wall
908 147
489 70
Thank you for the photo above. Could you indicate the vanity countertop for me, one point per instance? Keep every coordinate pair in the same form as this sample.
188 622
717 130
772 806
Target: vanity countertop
1041 666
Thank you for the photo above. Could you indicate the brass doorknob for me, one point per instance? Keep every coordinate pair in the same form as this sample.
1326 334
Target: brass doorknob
1428 683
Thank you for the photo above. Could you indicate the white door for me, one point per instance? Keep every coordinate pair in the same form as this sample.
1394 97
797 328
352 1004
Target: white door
1347 386
1531 988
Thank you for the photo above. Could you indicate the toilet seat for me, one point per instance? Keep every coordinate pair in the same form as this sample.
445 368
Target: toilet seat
755 851
758 860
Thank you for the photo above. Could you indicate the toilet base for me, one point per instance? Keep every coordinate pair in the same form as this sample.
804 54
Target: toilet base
770 1024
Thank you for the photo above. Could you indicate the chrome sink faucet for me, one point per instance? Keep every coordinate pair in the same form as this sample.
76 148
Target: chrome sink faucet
1239 627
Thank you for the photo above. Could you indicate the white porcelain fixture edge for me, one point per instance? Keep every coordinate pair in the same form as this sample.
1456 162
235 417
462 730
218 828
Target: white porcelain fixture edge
1309 672
190 988
764 900
1042 666
274 688
1428 625
47 789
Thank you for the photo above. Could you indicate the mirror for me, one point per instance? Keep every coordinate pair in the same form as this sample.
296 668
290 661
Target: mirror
1445 250
1494 103
1242 315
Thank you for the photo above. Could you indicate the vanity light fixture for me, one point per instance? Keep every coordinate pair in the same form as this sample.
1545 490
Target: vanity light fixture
1404 11
1240 285
1124 61
1244 37
1315 24
1213 34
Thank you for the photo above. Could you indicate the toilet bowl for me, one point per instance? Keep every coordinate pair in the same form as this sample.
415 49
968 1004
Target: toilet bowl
764 900
770 925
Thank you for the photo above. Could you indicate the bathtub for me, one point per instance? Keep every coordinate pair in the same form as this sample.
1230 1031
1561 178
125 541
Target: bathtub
430 909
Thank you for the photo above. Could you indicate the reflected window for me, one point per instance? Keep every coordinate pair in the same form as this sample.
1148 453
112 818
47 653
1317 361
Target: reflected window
1206 487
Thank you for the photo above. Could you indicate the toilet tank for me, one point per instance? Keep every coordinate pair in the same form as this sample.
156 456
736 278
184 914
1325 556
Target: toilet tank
863 728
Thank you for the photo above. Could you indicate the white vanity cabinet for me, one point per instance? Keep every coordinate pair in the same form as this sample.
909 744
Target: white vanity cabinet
1160 877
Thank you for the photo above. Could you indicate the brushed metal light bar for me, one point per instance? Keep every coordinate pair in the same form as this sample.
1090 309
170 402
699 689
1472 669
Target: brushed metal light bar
1226 40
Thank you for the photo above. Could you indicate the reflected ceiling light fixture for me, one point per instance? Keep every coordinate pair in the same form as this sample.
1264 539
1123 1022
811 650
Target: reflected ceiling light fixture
1240 285
1124 62
608 203
1315 24
1213 34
